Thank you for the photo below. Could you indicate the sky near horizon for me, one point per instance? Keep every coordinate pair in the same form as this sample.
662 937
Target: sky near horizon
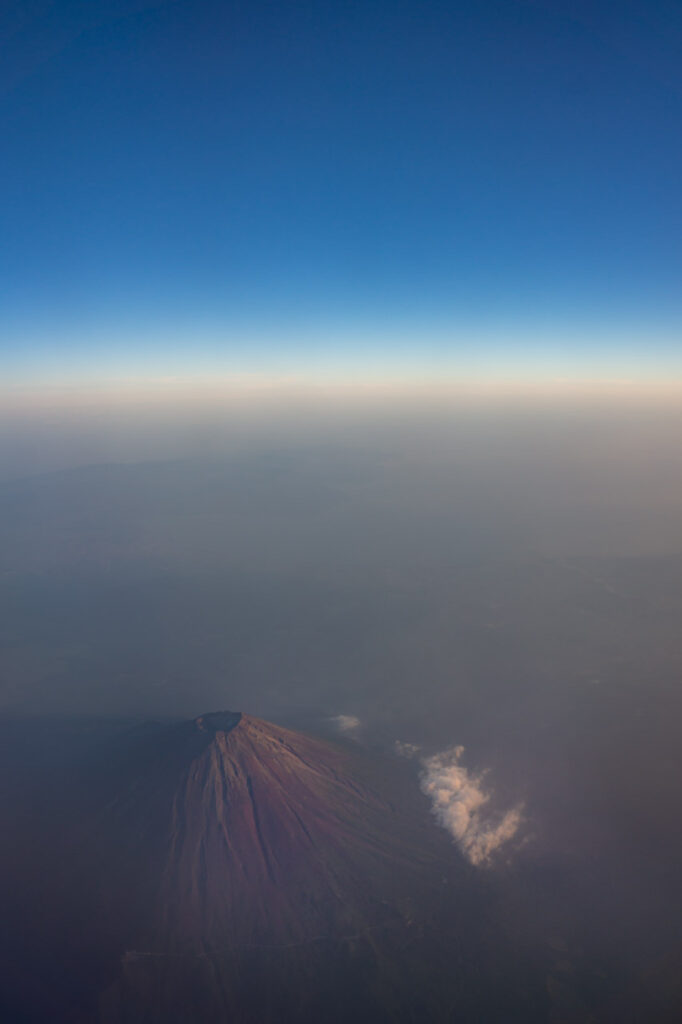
387 190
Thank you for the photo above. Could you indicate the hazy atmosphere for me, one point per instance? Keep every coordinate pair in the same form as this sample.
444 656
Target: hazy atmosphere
340 512
501 577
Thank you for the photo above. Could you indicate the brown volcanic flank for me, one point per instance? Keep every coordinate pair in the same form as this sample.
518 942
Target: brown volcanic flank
271 876
273 837
240 872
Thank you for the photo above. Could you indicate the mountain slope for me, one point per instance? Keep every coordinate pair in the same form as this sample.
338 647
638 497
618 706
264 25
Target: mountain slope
229 871
253 834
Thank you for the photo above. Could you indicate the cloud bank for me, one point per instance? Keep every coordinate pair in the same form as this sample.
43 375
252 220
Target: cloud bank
461 805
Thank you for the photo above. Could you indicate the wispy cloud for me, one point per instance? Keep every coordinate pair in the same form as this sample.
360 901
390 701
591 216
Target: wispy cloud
461 804
346 723
406 749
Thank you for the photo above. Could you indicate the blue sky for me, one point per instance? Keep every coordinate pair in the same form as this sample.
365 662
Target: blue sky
226 186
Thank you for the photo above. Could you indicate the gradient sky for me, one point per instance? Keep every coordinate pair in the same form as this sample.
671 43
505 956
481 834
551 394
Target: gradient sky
204 187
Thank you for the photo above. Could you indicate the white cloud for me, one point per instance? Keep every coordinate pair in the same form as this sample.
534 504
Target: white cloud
461 805
346 723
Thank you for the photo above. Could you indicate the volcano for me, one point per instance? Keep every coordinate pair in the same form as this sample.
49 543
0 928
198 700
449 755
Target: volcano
272 837
228 870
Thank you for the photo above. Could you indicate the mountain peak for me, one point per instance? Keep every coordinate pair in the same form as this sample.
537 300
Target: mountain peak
237 850
218 721
260 834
